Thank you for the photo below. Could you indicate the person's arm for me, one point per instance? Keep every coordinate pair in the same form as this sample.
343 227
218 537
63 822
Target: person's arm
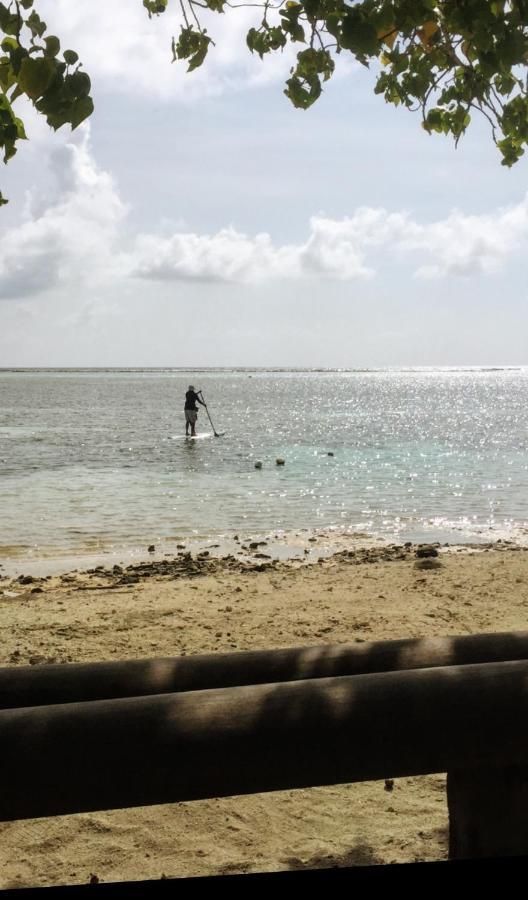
200 401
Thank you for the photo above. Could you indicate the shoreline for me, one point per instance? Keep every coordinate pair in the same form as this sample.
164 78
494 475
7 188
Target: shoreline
250 557
201 604
281 546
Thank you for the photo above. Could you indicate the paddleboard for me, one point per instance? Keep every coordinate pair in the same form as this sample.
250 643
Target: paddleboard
189 437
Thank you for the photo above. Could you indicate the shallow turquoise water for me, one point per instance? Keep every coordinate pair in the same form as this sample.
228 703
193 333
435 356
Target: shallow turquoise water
90 459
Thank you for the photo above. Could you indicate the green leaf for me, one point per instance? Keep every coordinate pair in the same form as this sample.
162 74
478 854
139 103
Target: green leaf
155 7
7 76
314 9
36 25
303 91
21 131
52 46
192 45
81 109
314 62
277 38
265 40
434 121
78 83
8 44
10 23
8 128
290 22
511 151
333 24
3 200
70 57
35 76
256 41
198 57
359 36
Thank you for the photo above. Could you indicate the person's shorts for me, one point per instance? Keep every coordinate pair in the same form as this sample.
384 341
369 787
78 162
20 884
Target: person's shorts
191 415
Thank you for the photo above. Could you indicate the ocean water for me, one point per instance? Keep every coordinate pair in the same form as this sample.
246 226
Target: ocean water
96 460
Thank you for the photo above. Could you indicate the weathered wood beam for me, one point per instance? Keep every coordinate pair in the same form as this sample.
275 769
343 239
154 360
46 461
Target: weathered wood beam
139 751
49 684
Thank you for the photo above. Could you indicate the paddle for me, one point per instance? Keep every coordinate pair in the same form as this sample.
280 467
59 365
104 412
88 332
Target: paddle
209 417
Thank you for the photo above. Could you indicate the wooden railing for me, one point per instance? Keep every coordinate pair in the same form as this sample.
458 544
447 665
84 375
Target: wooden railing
76 738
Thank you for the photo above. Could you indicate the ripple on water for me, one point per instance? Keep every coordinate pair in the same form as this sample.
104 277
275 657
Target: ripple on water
96 455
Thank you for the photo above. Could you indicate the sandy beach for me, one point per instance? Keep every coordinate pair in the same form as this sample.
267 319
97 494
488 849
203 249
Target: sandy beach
185 605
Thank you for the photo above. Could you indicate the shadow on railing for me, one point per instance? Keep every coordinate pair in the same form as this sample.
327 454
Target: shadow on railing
433 705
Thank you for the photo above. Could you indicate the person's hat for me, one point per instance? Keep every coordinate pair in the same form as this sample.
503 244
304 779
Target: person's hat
191 387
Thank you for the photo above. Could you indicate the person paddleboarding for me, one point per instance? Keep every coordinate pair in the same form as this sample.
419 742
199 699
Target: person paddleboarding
191 410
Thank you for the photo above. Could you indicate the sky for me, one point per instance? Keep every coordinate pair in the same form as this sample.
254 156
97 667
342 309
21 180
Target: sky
200 220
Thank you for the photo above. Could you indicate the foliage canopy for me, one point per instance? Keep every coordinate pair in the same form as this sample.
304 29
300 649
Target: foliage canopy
443 58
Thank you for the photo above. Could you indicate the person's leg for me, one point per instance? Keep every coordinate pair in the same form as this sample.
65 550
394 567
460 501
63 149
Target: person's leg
186 424
193 424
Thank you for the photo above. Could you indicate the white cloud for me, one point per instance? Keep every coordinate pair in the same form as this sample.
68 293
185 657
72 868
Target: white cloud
469 245
334 249
72 237
345 249
225 256
69 230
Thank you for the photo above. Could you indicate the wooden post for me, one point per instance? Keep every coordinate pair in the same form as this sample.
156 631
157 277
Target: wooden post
488 812
44 685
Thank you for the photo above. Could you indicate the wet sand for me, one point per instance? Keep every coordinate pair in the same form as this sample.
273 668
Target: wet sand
176 605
